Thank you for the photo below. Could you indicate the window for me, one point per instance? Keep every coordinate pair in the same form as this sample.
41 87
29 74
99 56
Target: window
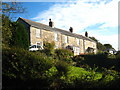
78 41
39 45
76 50
38 33
66 39
56 46
56 36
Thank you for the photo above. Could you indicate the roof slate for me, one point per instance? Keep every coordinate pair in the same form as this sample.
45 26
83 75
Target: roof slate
46 27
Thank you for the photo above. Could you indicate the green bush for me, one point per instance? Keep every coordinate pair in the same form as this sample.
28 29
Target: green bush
6 30
19 63
49 48
64 54
62 67
118 55
78 60
22 68
20 36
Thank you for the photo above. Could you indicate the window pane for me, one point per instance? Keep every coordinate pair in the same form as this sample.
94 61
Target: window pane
66 39
56 37
37 32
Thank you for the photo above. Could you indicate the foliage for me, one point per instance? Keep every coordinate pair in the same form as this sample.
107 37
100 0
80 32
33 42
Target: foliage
19 36
100 46
62 67
49 48
93 38
14 34
22 68
108 46
6 30
118 55
13 7
64 54
22 64
78 60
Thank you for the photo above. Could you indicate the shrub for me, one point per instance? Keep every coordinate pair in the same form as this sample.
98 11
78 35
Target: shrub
6 30
64 54
118 55
49 48
20 36
78 60
21 65
62 67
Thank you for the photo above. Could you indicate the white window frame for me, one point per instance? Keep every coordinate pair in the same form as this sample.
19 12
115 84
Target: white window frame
38 33
76 50
66 39
41 43
56 36
56 46
78 41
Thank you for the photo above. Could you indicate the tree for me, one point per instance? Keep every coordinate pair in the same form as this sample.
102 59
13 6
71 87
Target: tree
108 46
20 36
93 38
100 46
6 30
13 7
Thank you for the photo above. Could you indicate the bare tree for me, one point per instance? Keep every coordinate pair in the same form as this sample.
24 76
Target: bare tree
11 8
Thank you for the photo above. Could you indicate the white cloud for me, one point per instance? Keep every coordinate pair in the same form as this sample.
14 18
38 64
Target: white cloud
80 15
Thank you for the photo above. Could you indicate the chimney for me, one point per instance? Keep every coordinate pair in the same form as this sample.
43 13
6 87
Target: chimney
50 23
86 34
71 29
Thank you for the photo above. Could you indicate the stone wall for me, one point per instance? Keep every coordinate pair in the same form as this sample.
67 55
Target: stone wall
49 36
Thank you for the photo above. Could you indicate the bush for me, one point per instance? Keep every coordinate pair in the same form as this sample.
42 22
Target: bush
49 48
78 60
20 65
20 36
118 55
64 54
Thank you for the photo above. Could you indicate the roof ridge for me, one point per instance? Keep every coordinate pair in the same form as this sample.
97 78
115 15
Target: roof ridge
33 21
29 22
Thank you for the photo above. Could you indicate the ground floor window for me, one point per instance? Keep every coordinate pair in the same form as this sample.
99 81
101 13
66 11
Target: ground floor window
76 50
39 45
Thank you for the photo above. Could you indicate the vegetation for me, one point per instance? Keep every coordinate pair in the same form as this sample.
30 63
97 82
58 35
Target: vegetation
19 36
14 34
12 7
100 46
24 69
30 70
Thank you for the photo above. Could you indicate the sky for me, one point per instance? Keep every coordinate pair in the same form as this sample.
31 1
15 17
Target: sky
98 17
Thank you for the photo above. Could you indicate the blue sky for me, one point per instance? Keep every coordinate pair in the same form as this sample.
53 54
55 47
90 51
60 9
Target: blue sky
98 17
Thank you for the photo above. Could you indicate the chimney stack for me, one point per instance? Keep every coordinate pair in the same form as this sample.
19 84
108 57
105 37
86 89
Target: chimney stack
50 23
71 29
86 34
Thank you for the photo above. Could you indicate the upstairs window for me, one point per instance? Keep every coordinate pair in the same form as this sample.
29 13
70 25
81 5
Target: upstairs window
66 39
78 41
56 37
38 33
76 50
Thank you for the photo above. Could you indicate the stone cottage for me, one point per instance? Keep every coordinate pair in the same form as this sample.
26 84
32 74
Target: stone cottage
38 33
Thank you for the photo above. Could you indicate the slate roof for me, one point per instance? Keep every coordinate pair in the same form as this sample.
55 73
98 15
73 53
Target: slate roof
46 27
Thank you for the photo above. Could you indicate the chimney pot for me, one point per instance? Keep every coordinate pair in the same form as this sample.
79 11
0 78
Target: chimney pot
86 34
71 29
50 23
